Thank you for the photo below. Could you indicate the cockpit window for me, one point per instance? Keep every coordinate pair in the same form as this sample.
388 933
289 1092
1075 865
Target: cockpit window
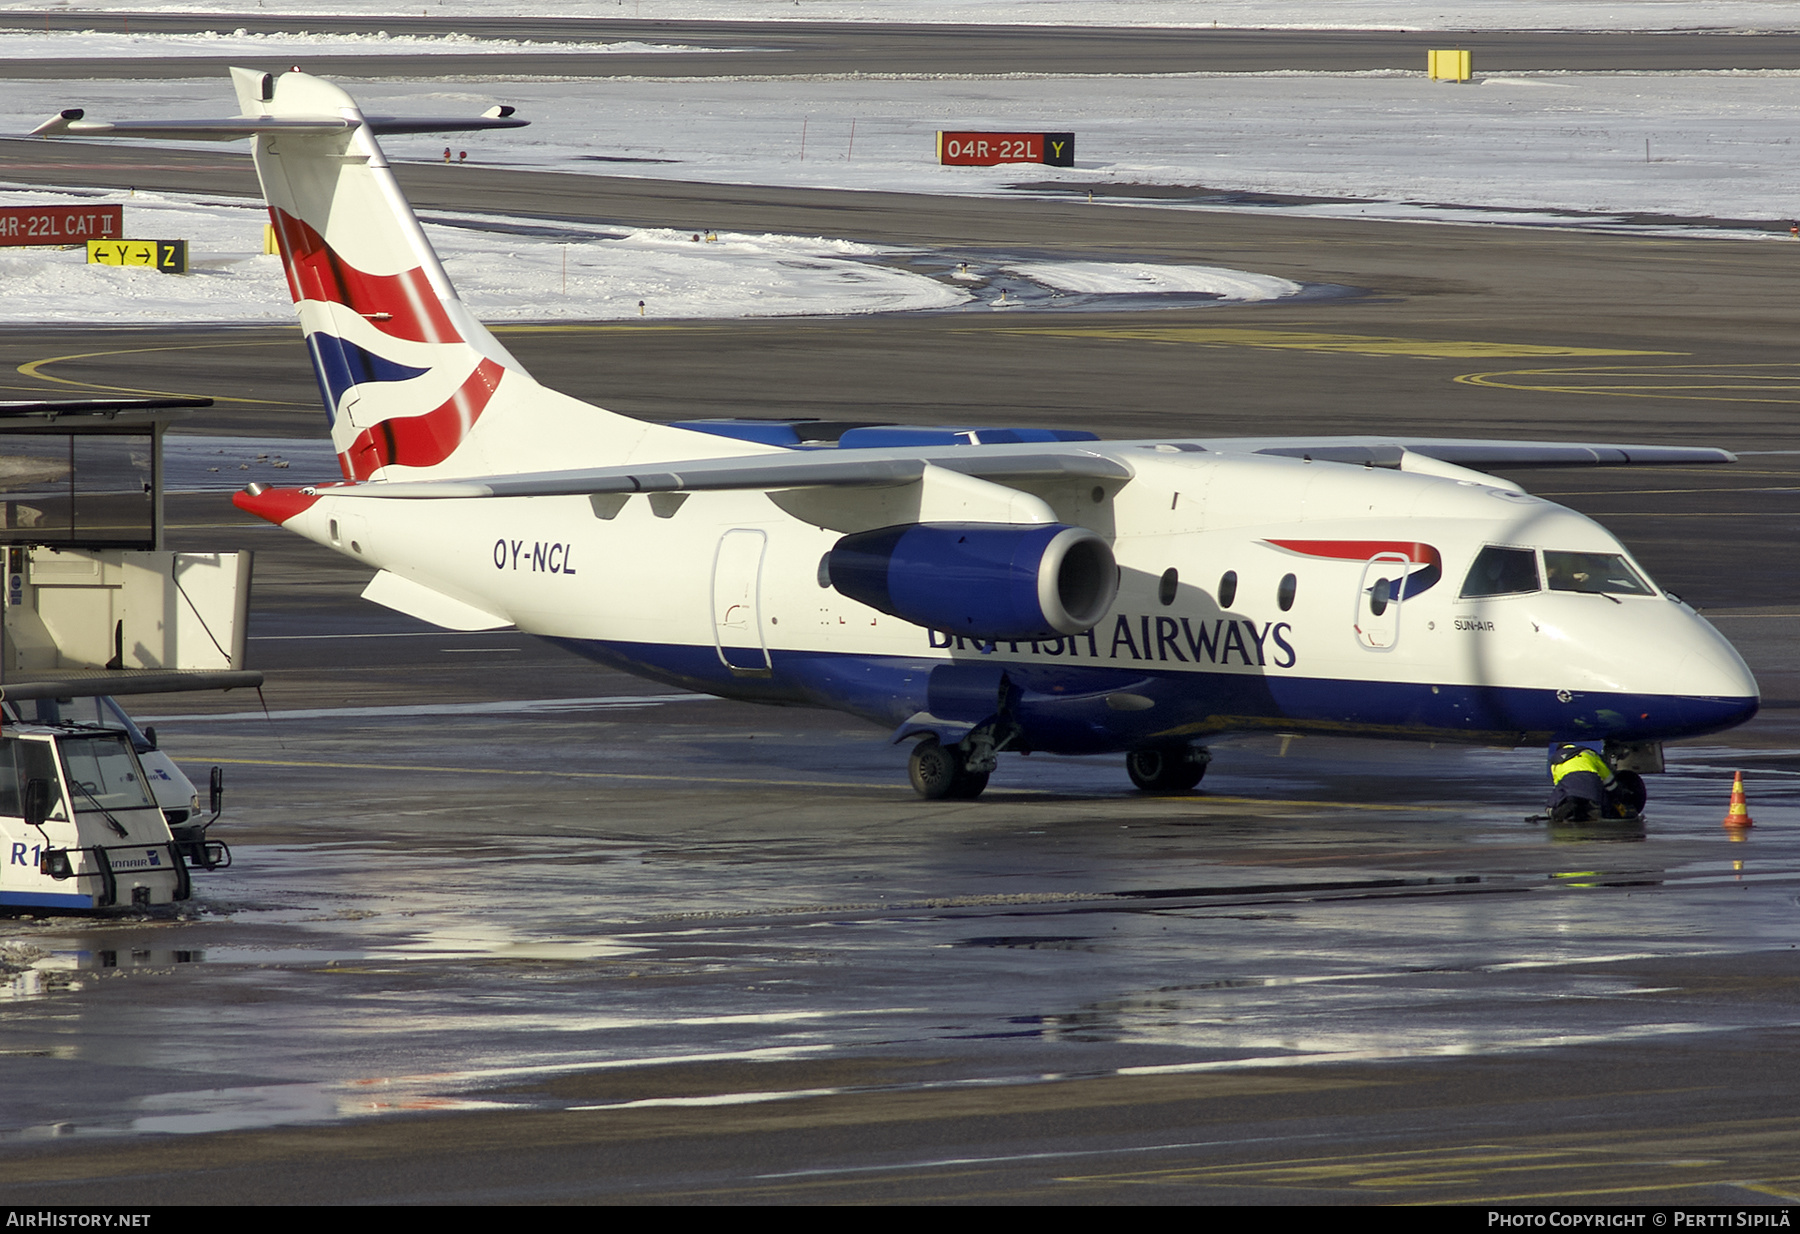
1502 572
1603 573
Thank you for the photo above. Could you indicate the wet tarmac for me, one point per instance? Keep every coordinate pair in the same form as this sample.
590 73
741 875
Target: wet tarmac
478 885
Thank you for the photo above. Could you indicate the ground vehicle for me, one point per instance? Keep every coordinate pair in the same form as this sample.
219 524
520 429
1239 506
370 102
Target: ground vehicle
173 791
80 828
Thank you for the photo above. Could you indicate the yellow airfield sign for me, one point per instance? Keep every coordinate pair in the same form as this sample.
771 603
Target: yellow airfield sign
169 256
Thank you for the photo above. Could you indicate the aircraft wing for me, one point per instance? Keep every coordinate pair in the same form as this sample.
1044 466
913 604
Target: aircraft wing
1482 455
811 469
827 468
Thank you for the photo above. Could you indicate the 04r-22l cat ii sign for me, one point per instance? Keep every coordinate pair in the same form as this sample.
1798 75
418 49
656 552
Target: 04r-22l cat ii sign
979 590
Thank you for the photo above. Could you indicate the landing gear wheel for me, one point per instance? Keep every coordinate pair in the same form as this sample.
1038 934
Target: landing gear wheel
1629 794
969 785
938 773
1164 769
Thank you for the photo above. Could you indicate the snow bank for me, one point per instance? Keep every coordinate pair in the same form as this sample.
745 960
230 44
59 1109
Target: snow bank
118 45
588 274
1109 278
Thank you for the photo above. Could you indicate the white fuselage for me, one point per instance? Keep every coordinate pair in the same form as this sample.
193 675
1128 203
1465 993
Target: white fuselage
721 591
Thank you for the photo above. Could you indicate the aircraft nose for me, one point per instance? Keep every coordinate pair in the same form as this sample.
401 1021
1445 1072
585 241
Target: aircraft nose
1682 677
1706 672
1715 687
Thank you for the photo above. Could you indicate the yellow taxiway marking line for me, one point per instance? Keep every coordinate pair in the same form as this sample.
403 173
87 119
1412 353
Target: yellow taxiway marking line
692 779
34 370
1702 382
1308 340
1653 1185
1429 1168
1662 492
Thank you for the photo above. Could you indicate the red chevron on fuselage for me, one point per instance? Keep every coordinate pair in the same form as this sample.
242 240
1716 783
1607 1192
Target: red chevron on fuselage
1362 550
402 305
1416 552
427 440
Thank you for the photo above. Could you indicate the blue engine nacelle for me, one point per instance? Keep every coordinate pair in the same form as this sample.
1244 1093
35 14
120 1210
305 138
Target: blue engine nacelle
987 581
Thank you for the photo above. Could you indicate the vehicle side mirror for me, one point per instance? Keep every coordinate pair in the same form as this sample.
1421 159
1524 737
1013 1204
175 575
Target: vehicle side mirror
37 801
149 732
218 790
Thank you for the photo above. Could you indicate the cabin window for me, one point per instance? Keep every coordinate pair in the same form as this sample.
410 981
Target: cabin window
1165 587
825 570
1596 573
1284 594
1228 589
1502 572
1380 596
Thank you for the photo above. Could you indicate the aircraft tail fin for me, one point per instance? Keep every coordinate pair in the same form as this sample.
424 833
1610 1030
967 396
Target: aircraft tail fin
404 369
414 386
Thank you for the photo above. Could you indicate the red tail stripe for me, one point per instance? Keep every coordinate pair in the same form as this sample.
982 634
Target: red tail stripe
423 441
402 305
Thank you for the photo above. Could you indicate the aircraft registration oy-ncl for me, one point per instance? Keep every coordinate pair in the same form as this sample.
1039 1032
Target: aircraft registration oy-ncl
979 590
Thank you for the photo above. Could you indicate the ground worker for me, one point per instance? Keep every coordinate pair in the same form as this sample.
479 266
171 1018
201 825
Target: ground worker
1584 787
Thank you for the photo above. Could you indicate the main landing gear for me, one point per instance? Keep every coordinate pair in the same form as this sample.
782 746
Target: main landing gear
960 772
1167 769
940 771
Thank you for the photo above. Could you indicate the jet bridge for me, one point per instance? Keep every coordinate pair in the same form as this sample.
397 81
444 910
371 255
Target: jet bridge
89 587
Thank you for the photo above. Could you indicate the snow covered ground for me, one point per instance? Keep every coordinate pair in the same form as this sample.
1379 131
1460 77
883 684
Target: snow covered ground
588 273
1696 145
1637 150
522 270
116 44
1262 14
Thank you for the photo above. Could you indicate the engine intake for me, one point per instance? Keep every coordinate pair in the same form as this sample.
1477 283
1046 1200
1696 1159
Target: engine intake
988 581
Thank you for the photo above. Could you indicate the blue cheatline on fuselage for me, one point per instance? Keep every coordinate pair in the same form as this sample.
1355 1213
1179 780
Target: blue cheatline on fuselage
1065 709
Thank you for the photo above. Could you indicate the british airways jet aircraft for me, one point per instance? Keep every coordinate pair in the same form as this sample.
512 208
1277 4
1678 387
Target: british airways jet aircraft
979 590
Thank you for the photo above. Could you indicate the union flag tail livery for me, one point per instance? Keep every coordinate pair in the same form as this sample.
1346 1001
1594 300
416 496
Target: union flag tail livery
980 590
414 386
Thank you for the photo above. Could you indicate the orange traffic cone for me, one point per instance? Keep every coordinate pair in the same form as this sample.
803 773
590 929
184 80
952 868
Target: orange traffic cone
1739 814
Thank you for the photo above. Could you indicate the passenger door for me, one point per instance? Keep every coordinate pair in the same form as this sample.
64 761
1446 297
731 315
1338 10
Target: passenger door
737 601
1378 601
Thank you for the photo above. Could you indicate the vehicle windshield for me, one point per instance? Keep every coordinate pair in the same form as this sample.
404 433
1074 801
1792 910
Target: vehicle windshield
1599 573
103 774
1502 572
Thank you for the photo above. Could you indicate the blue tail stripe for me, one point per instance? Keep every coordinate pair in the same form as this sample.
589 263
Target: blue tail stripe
340 364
